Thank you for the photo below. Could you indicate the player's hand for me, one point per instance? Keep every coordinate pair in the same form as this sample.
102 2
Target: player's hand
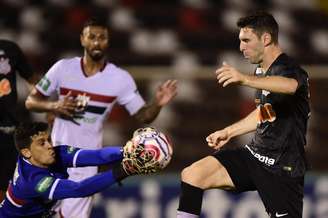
66 106
227 74
217 139
137 161
166 92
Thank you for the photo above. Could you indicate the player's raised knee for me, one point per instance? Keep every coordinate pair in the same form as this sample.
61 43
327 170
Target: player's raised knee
192 175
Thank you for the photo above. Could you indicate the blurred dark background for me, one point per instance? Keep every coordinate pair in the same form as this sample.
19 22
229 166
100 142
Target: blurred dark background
186 40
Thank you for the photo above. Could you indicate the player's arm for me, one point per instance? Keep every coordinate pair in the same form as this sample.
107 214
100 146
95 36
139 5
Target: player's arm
49 187
245 125
38 102
64 188
248 124
133 102
97 157
129 165
148 113
69 156
164 94
279 84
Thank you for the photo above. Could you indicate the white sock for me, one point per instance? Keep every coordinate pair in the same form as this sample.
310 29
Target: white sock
181 214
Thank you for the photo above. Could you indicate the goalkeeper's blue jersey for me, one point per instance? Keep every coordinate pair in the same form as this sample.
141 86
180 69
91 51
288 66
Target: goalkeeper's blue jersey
31 190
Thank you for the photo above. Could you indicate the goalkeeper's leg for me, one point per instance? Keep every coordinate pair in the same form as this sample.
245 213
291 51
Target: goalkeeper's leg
204 174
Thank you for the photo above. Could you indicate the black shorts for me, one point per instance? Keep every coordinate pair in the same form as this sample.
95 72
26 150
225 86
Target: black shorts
8 159
282 196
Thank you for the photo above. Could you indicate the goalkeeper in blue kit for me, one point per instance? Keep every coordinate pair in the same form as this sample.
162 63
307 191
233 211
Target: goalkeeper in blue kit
40 178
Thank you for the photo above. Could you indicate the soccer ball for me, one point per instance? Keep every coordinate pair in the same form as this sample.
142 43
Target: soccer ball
157 146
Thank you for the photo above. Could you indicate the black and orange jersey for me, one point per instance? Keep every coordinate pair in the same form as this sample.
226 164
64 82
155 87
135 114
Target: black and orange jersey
12 61
282 121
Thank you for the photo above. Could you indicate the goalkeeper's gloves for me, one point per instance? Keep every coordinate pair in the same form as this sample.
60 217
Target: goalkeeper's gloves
136 161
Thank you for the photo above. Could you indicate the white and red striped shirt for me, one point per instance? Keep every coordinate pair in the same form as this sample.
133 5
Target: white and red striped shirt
102 90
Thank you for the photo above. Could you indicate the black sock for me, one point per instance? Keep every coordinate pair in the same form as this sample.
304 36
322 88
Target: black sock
191 198
118 172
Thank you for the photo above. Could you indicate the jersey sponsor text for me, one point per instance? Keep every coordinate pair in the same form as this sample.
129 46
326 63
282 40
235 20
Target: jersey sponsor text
264 159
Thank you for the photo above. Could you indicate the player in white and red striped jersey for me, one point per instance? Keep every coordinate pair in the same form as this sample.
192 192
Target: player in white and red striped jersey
88 87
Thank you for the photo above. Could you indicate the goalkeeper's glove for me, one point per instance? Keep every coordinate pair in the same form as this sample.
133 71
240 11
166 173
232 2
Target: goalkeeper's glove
136 161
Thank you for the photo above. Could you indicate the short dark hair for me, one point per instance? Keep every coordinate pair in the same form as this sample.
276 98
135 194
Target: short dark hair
261 22
95 21
24 132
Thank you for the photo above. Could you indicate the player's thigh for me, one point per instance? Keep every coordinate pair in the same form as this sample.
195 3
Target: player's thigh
207 173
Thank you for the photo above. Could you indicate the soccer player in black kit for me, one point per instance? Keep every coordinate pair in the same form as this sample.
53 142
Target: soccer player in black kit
273 163
12 60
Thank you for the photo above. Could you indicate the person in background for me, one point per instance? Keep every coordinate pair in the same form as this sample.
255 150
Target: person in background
88 87
12 61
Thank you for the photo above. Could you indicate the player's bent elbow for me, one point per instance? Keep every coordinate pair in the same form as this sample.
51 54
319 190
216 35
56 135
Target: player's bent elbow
294 89
291 87
28 103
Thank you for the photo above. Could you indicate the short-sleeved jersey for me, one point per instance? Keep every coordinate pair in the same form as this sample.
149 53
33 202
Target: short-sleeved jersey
31 190
101 91
282 121
12 60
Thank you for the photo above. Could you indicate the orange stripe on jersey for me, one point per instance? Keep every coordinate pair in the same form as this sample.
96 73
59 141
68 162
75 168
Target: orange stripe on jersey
93 96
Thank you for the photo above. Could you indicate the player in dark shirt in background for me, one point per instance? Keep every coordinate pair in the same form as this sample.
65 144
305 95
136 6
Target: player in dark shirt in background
12 61
273 163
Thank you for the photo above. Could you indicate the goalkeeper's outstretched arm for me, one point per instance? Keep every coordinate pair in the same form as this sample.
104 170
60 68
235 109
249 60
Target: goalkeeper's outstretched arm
74 157
64 188
105 155
129 164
